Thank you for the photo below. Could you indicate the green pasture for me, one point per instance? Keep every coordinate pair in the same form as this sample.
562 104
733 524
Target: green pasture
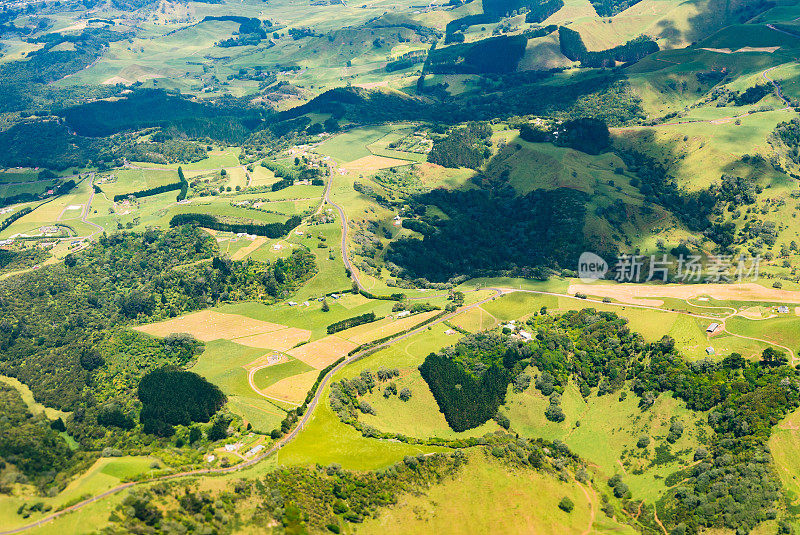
608 431
272 374
311 317
104 474
123 181
222 363
467 503
352 145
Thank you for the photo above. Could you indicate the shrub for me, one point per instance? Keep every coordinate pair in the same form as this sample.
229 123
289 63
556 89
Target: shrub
566 505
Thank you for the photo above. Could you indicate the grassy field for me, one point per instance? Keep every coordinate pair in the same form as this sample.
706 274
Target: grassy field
327 440
785 447
122 181
609 430
467 503
272 374
352 145
223 363
104 474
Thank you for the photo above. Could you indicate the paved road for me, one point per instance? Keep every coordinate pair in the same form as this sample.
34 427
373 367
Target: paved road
328 200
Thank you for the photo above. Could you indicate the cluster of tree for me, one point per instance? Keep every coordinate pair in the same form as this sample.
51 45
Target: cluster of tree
270 230
787 136
28 442
586 134
45 65
462 147
281 171
609 8
169 151
250 32
16 259
492 231
172 397
542 11
347 323
404 63
505 8
184 185
751 95
659 186
461 24
493 55
533 33
49 144
465 400
602 94
572 46
745 399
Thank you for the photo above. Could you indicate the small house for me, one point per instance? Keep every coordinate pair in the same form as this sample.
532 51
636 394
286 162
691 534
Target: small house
713 327
255 450
709 350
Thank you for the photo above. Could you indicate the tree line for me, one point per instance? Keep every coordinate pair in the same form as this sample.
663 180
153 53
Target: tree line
270 230
347 323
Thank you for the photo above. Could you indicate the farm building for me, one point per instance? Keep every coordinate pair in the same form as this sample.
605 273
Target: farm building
709 350
713 327
783 309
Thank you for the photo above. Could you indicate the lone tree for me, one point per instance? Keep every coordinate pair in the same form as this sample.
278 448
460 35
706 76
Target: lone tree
771 358
566 505
405 394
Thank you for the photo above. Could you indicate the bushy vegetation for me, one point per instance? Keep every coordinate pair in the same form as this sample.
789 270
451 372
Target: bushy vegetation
28 442
299 499
462 147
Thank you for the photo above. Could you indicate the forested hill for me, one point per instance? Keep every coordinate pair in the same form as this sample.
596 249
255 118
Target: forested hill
226 120
64 330
488 232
